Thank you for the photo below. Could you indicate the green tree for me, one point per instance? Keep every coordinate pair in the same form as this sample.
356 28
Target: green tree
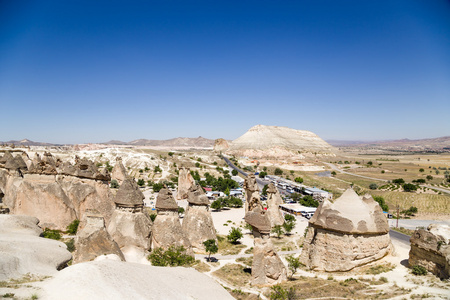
234 235
210 247
72 228
398 181
421 170
370 163
157 169
429 177
309 201
197 165
264 190
157 187
141 182
299 180
216 205
234 172
278 171
293 264
289 223
333 173
278 230
373 186
279 293
180 210
262 174
153 217
381 202
409 187
171 154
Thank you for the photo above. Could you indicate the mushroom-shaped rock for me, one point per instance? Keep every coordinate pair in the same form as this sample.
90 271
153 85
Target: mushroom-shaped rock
165 201
129 226
351 214
129 195
346 234
198 224
259 220
166 230
197 196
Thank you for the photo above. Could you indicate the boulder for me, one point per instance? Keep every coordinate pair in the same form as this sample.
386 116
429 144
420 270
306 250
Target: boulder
93 240
166 230
430 248
109 279
346 234
185 182
22 251
197 196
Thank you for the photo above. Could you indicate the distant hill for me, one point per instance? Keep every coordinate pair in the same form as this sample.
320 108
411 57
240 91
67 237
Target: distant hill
276 141
440 144
180 142
26 142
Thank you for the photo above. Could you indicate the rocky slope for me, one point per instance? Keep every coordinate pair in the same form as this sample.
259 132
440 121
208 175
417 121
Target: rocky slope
276 141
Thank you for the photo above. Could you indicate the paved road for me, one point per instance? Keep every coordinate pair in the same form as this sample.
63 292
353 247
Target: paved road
261 183
402 238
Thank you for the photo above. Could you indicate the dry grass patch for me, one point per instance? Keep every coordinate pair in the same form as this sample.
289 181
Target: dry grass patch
377 269
201 266
248 261
227 248
307 287
234 274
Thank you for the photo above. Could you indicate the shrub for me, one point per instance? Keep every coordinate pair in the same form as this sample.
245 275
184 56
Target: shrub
279 293
72 228
262 174
381 202
153 217
409 187
373 186
293 264
141 182
157 169
173 256
278 171
419 270
429 177
180 210
299 180
157 187
421 170
51 234
234 172
234 235
216 205
114 184
278 230
398 181
70 244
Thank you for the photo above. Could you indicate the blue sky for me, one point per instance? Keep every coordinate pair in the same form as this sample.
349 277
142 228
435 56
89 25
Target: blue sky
92 71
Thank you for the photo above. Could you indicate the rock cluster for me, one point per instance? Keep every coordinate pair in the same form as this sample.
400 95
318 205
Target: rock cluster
348 233
55 192
130 227
198 225
267 267
185 182
93 240
166 230
430 248
274 201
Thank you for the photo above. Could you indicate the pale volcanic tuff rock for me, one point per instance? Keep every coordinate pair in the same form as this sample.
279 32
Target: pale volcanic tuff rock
129 226
267 267
252 198
22 251
346 234
430 249
198 225
275 141
274 201
166 230
221 145
119 172
93 240
185 182
109 279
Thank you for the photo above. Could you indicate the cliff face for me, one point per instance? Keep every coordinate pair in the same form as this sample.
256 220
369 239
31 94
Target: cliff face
261 141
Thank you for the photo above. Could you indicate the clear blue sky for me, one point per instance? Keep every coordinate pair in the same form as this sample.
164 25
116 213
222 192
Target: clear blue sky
92 71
